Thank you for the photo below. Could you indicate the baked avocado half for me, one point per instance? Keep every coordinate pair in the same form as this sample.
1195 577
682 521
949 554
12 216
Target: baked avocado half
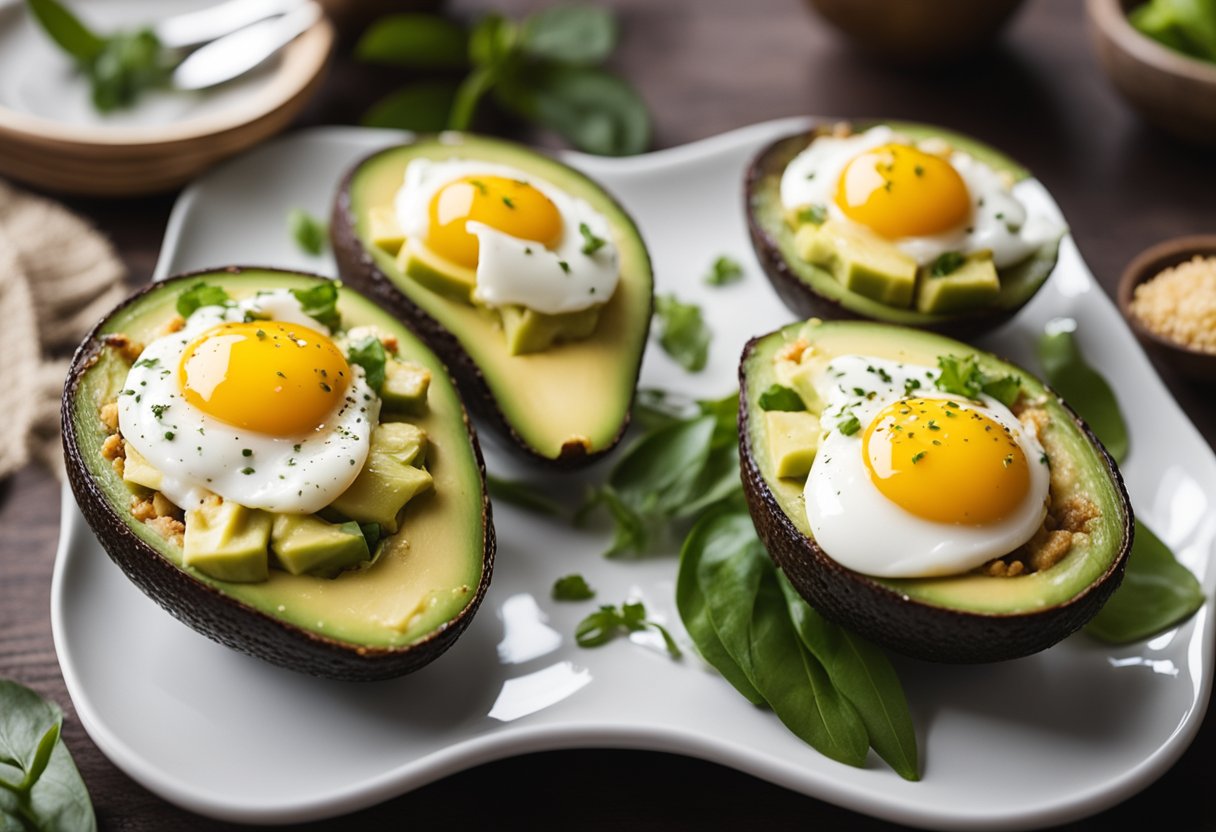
375 584
565 397
832 267
1014 604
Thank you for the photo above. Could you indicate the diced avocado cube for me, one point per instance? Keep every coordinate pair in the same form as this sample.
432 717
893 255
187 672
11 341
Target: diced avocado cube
799 377
793 439
436 273
527 330
387 481
861 260
137 470
973 285
384 229
227 542
405 386
304 543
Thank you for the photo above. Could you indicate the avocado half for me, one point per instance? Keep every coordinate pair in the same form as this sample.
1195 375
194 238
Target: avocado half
566 405
365 624
966 618
812 291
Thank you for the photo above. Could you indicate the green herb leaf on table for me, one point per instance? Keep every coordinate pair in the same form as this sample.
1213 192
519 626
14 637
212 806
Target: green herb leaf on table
423 107
606 623
1083 388
724 270
415 41
321 303
308 231
683 333
40 787
68 32
200 294
963 377
522 494
369 354
946 263
572 588
780 397
573 34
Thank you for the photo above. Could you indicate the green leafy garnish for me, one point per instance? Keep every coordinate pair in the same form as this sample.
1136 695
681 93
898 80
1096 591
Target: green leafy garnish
119 67
608 622
370 355
946 263
849 426
834 691
522 494
199 295
40 788
963 377
780 397
308 231
683 333
814 214
591 243
572 588
1186 26
544 69
724 270
321 303
1084 388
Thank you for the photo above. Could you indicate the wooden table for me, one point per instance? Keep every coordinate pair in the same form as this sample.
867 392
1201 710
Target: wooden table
706 66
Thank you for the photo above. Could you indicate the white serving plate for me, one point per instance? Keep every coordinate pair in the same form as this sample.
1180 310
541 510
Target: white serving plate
1032 742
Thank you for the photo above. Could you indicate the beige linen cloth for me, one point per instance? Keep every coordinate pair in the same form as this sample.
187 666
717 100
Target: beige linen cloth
58 276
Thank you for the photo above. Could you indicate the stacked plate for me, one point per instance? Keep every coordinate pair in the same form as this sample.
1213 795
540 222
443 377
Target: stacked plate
52 137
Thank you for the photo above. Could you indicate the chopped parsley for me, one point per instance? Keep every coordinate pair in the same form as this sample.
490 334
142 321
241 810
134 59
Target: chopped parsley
724 270
963 377
946 264
919 170
565 266
507 201
918 456
308 232
572 588
321 303
246 471
780 397
246 452
479 185
169 435
591 243
158 410
147 362
814 214
683 333
849 426
605 623
370 355
198 295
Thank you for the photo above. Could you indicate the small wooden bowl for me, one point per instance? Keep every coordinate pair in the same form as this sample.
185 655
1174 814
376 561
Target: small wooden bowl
1173 91
1194 363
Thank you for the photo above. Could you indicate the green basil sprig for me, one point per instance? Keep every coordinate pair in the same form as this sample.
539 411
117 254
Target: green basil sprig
545 69
683 333
606 623
40 788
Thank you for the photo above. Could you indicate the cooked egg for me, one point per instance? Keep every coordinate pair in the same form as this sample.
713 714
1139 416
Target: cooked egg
253 401
910 481
529 242
923 201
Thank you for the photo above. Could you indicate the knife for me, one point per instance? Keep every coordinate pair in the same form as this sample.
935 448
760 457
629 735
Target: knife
203 25
235 54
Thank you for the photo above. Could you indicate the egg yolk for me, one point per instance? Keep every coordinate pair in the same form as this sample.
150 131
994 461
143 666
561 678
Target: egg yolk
508 205
946 461
274 378
900 191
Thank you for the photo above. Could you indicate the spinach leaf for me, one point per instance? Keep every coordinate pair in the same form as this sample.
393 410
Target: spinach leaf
522 494
1084 389
321 303
200 294
40 787
308 232
415 41
683 333
572 588
370 355
1157 592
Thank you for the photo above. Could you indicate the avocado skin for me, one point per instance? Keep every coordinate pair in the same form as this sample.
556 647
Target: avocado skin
799 296
357 268
914 628
219 616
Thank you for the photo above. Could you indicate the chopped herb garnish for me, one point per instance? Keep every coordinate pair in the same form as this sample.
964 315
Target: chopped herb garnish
158 410
947 263
814 214
321 303
261 333
963 377
572 588
850 426
199 295
910 385
169 435
479 185
147 362
919 170
565 266
1008 460
370 355
591 243
605 623
326 387
917 457
933 425
308 232
780 397
246 452
724 270
507 201
248 471
683 333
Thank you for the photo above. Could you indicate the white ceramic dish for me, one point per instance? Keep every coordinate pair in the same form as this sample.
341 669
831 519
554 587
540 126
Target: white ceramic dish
174 710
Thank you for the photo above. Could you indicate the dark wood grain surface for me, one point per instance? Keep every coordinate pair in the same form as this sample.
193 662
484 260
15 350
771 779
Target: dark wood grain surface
706 66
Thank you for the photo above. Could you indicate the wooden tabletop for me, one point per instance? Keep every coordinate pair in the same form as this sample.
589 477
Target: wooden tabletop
706 66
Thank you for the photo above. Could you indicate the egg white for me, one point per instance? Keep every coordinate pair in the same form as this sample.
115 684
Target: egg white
859 527
998 222
511 270
198 454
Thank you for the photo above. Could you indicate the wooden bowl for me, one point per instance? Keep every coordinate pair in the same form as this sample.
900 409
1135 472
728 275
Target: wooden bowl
1194 363
921 32
78 152
1173 91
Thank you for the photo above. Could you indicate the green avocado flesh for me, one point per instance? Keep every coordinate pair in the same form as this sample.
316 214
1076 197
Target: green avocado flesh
570 392
425 575
1075 460
1017 283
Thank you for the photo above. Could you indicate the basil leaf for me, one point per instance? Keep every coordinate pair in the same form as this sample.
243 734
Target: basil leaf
415 41
864 675
423 107
49 794
595 110
199 295
683 333
574 35
963 377
492 40
1005 390
716 530
521 494
321 303
724 270
780 397
308 232
370 355
607 622
67 30
129 63
1157 592
659 471
572 588
591 243
1084 389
